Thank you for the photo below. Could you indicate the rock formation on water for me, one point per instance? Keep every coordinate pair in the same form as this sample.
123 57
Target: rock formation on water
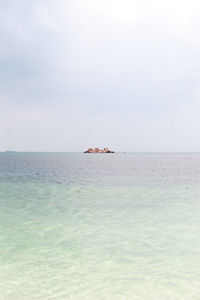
97 150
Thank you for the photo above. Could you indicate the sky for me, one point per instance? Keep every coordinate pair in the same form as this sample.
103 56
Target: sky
123 74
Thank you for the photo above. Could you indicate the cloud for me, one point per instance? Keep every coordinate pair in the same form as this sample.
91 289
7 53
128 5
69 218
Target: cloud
72 72
41 16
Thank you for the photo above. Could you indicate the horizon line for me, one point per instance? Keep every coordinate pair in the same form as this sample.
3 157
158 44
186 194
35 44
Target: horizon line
123 152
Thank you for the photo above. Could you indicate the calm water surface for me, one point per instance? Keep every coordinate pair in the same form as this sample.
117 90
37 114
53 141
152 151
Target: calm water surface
99 226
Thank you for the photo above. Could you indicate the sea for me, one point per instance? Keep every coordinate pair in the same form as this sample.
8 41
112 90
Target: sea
116 226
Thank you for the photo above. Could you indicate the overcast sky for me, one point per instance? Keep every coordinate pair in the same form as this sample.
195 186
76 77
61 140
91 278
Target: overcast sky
118 73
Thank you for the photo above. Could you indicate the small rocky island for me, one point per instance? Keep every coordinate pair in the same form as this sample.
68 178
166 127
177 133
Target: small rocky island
97 150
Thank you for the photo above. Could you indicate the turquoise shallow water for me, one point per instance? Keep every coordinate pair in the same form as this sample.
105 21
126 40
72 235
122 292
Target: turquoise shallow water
113 226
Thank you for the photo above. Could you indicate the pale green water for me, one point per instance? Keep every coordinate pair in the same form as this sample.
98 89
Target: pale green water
104 227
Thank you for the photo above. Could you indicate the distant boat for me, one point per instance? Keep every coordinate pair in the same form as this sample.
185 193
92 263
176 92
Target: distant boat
97 150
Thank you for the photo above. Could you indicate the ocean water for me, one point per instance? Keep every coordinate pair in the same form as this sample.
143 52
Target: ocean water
99 226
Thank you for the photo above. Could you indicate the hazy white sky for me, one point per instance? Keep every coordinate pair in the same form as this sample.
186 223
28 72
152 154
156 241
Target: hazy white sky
118 73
